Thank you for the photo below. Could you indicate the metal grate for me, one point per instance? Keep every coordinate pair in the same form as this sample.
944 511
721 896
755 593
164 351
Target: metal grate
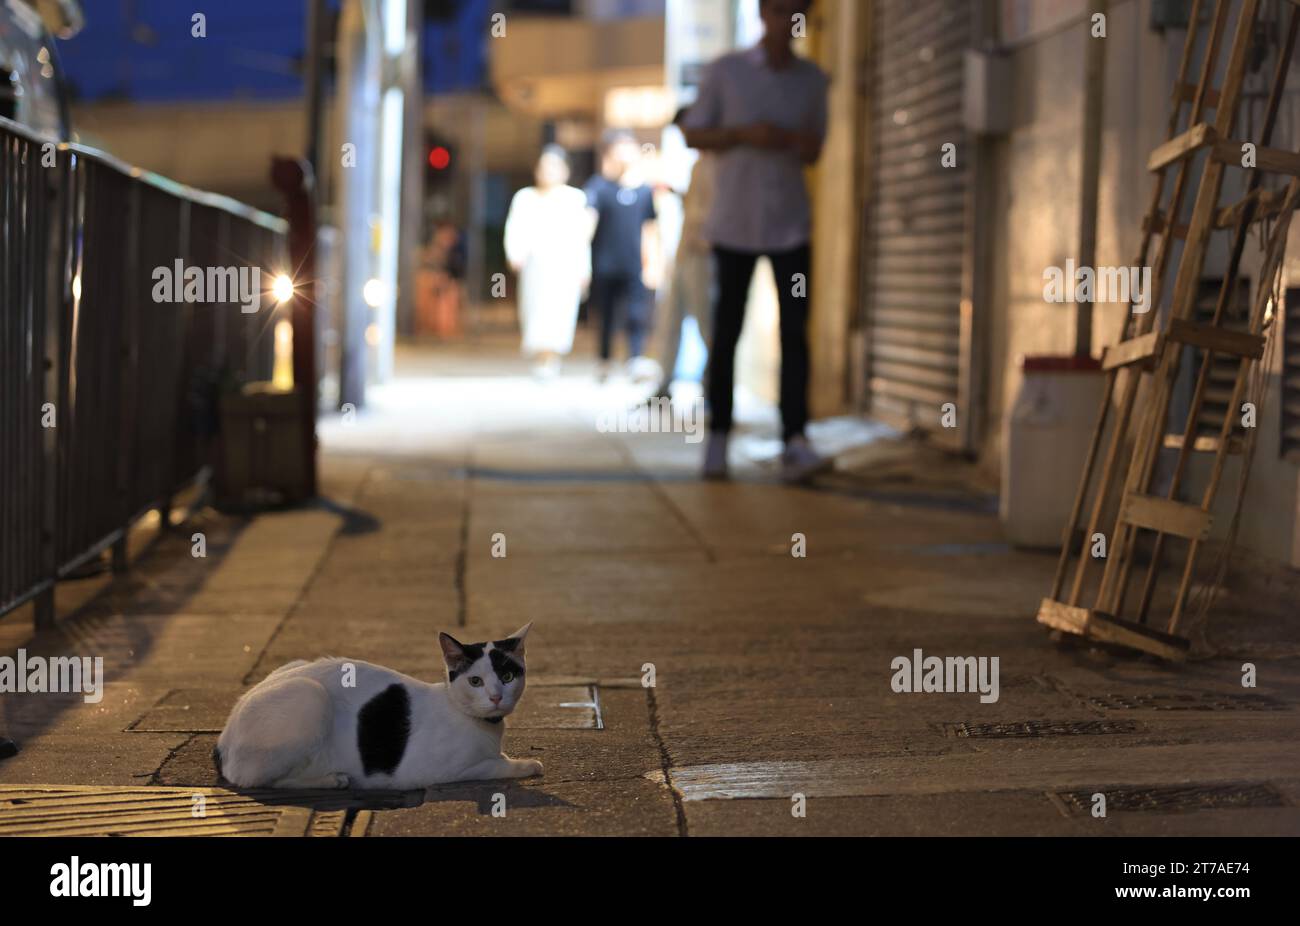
1172 799
917 222
1205 701
1042 728
63 810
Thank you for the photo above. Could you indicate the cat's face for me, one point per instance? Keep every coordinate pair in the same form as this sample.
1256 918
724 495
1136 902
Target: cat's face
485 680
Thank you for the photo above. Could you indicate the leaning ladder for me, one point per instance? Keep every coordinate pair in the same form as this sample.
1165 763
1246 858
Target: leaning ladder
1146 355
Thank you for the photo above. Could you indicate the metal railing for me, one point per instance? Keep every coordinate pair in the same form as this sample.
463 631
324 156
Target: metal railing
108 396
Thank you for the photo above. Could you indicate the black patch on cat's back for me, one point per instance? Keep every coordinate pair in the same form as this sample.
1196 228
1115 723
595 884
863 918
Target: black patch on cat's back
383 728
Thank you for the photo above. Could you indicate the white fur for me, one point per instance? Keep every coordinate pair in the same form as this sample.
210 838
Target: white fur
297 728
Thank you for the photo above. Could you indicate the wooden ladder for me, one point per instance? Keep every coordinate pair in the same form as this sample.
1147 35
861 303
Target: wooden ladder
1147 355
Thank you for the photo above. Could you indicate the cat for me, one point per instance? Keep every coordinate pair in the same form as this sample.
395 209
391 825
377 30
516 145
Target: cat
311 725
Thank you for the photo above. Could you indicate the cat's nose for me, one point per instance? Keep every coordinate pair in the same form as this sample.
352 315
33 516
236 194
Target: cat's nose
495 699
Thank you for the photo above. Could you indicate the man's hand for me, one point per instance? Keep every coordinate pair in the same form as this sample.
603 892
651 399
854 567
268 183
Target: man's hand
762 135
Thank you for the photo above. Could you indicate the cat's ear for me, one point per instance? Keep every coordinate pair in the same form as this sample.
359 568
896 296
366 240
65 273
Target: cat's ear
452 651
520 635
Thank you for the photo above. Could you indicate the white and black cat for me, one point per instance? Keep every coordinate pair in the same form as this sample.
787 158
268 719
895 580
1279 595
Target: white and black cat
338 723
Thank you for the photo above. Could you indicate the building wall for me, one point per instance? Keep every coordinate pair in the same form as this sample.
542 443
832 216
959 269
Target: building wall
839 41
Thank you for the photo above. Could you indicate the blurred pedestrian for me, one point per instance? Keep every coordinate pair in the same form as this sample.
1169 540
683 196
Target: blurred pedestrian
439 282
625 259
691 277
763 112
547 243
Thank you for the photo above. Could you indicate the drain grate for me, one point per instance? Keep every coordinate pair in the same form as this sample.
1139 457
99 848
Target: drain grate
65 810
1173 799
1205 701
1042 728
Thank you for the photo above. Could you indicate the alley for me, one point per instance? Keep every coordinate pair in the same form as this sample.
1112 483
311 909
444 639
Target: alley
473 499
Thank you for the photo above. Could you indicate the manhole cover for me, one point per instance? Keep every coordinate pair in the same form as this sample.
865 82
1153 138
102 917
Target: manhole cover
1186 702
65 810
1175 799
1042 728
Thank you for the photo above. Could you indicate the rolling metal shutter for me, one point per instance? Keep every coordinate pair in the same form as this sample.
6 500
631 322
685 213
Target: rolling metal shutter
917 218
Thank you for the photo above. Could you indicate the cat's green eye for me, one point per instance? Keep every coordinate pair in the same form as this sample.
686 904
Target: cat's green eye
475 681
507 677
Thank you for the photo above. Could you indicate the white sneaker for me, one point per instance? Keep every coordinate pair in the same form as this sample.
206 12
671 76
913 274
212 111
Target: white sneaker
715 457
799 462
644 370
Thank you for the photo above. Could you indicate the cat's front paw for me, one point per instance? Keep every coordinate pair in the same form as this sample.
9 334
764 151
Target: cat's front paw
530 768
341 780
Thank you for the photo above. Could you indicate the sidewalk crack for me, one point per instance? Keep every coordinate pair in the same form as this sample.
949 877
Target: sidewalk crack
666 763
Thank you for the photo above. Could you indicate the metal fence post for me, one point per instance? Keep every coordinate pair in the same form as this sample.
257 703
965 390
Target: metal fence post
129 356
56 181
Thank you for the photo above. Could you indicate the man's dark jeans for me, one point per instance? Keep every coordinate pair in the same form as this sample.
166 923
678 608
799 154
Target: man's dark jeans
622 301
735 270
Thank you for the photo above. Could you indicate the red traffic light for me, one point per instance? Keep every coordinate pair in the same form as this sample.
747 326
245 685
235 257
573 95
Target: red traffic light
439 158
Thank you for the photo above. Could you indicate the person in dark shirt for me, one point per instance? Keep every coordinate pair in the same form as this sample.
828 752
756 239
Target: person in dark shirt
623 247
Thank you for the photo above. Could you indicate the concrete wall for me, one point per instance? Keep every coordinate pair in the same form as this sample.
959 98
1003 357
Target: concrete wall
840 41
1034 225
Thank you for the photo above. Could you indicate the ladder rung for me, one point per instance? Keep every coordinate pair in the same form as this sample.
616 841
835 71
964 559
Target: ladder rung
1156 225
1142 349
1111 629
1220 340
1272 160
1180 146
1206 443
1107 628
1166 516
1061 616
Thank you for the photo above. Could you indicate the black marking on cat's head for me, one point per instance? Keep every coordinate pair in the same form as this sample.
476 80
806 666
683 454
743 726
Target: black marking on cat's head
383 728
458 656
501 663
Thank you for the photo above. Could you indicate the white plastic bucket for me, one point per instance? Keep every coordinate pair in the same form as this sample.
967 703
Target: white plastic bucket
1045 442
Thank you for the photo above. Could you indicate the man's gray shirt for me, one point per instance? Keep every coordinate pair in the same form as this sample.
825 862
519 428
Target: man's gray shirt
760 203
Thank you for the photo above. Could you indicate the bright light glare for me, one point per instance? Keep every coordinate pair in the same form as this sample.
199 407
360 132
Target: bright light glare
282 288
373 293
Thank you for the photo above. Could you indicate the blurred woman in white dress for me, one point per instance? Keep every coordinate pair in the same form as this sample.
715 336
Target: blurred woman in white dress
548 243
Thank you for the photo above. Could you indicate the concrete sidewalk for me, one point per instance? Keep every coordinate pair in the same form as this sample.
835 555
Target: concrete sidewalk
772 672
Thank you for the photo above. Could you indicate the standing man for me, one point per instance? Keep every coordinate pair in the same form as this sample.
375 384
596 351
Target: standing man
624 250
762 111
